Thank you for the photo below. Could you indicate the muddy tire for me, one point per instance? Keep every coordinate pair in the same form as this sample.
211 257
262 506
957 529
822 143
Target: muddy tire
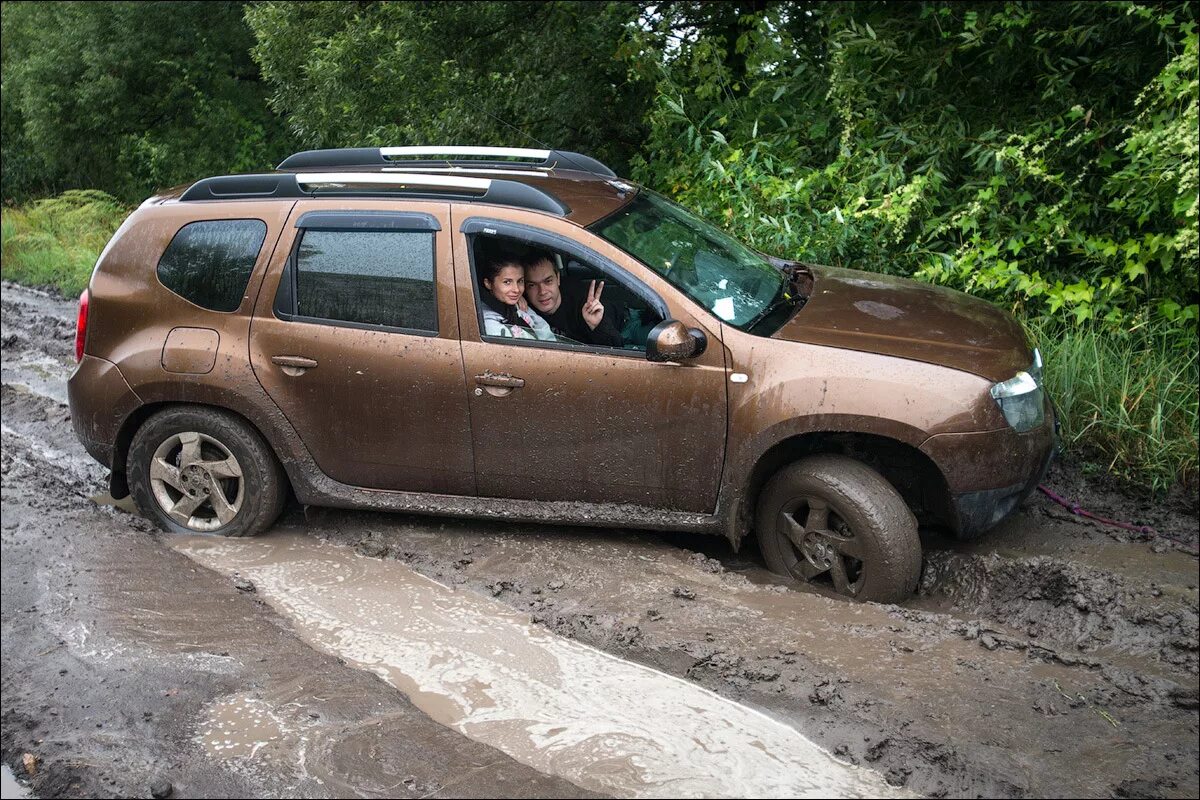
203 470
833 521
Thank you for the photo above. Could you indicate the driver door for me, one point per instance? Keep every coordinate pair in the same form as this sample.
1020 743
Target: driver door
591 424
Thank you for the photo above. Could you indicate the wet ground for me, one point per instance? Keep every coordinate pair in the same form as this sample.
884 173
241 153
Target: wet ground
374 655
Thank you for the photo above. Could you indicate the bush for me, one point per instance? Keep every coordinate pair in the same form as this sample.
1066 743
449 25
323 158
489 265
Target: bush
1042 155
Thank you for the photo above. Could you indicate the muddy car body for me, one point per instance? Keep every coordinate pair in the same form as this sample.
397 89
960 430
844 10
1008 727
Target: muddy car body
320 330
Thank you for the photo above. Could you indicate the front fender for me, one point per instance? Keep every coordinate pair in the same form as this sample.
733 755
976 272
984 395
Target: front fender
792 388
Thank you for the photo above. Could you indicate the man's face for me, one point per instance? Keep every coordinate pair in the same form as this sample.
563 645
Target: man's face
541 287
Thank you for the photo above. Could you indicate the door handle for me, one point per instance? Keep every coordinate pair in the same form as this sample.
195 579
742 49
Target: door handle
293 365
503 380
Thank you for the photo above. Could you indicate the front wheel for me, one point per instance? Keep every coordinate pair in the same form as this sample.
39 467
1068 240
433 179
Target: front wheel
203 470
830 520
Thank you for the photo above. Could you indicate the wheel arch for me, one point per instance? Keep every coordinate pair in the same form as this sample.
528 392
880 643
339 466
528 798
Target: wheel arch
119 479
913 474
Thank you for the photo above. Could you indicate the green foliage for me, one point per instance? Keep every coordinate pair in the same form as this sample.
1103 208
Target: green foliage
1128 399
492 73
1043 155
130 97
55 242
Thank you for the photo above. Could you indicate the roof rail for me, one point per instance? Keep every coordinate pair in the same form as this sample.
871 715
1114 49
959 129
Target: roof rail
456 155
372 184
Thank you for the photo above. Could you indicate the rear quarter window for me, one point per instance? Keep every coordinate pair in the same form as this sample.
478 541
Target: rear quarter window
209 263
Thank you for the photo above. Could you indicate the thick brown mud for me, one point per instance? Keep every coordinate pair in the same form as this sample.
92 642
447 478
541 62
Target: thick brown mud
1053 658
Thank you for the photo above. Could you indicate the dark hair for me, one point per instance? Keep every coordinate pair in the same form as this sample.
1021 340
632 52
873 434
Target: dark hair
500 257
535 256
496 258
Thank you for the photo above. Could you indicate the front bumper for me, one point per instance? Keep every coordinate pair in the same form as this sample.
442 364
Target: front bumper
989 474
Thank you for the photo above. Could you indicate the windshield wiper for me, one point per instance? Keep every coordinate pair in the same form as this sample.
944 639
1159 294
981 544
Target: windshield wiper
792 291
782 298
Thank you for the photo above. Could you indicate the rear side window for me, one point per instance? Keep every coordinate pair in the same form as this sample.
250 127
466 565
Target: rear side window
209 263
368 278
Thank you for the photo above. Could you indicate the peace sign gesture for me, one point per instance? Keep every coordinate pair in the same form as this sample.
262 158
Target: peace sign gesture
592 309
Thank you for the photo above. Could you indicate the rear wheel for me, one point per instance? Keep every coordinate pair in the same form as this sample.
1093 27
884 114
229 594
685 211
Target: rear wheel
832 521
203 470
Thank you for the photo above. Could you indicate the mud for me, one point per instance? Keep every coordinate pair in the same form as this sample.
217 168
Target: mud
1054 657
946 699
476 666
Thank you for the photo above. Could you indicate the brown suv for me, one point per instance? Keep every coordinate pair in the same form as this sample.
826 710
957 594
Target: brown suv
321 329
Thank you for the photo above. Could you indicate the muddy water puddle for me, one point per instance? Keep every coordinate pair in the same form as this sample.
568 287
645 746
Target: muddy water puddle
240 727
126 503
12 789
559 706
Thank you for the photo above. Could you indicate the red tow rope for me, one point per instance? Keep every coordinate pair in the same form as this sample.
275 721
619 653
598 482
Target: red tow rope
1078 510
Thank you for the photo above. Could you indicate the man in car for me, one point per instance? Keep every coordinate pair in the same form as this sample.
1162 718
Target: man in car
572 309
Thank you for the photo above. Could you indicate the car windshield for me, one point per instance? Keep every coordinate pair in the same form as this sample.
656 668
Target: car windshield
720 273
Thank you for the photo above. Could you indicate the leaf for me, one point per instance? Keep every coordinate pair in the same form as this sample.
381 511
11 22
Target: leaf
1134 269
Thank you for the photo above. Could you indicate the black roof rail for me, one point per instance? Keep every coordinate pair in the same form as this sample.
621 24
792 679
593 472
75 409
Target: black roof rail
455 155
369 184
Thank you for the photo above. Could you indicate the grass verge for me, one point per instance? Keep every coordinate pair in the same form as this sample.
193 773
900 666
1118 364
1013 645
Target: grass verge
56 241
1127 399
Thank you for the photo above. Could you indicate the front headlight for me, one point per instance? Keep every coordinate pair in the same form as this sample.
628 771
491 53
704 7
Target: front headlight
1020 397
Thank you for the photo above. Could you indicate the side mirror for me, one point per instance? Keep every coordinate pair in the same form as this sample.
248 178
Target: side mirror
670 340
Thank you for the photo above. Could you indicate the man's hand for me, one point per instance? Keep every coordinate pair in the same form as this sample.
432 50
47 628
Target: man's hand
592 310
521 304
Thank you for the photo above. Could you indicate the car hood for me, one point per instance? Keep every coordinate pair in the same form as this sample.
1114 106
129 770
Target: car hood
897 317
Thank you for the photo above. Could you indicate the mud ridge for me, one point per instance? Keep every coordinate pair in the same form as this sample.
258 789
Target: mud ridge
1063 604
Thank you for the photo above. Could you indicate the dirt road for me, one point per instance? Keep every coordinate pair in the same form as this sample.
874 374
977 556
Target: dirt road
364 654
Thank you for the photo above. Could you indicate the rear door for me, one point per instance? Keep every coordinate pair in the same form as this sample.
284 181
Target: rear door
355 339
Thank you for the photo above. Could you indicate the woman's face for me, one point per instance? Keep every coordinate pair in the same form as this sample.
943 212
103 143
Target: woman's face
508 285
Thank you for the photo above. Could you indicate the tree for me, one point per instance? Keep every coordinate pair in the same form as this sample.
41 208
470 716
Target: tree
130 97
496 73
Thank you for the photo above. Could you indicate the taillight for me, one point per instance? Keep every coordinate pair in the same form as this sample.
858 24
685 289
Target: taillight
81 325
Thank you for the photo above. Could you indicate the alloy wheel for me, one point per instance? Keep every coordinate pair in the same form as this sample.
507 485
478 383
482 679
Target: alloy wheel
825 549
197 481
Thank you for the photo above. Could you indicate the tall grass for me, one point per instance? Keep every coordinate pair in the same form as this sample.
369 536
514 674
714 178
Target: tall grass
1127 399
55 242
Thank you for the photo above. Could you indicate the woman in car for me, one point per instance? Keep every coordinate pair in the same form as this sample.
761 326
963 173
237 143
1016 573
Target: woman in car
505 312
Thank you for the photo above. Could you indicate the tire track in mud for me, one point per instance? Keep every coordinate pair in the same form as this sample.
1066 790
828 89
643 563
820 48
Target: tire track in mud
1023 658
942 703
603 723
